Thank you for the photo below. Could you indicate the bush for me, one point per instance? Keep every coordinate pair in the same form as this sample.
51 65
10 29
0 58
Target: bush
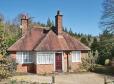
89 62
7 67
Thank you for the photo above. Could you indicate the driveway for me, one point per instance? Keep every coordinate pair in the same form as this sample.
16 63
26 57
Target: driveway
83 78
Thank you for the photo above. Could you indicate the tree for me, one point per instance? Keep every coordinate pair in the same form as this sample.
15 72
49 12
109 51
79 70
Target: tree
1 18
70 31
65 30
84 40
94 45
9 33
107 19
106 35
106 43
104 46
50 23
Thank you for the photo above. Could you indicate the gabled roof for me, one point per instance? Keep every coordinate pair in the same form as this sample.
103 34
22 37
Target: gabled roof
39 39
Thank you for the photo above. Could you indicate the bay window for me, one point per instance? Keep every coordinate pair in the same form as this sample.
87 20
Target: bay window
76 56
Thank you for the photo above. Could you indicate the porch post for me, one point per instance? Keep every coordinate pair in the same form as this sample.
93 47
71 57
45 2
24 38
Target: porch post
67 53
67 63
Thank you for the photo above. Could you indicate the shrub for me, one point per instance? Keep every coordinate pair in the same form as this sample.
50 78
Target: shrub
7 67
89 62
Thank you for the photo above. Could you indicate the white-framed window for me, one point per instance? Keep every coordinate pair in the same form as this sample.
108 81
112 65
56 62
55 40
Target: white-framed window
19 57
76 56
45 58
24 57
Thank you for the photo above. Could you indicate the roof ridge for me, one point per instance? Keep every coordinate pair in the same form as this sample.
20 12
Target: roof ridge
39 42
43 39
76 40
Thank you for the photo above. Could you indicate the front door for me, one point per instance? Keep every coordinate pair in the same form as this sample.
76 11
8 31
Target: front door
58 61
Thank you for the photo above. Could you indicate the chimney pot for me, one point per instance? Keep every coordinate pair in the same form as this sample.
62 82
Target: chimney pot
58 12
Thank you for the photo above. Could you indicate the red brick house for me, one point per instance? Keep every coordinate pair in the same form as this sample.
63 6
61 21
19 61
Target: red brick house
41 50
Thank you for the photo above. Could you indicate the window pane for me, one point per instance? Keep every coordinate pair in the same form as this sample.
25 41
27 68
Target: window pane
27 57
19 57
47 58
23 57
76 56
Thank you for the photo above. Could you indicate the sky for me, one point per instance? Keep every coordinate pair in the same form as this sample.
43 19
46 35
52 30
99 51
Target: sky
82 16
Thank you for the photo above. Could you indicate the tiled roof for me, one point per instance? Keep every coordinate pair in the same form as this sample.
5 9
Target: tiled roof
39 39
28 41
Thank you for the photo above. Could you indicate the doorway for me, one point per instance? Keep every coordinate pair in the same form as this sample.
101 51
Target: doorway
58 62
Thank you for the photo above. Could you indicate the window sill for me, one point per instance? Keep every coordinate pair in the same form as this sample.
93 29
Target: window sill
76 61
28 63
45 64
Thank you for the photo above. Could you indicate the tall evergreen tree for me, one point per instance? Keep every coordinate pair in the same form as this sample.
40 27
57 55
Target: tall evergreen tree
50 23
94 45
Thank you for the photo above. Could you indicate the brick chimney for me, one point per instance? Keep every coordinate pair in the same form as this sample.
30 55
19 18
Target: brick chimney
58 22
24 23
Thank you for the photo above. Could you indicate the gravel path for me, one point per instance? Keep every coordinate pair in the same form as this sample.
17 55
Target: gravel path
88 78
84 78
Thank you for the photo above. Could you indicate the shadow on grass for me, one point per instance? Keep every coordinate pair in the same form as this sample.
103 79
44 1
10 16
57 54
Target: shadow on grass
106 70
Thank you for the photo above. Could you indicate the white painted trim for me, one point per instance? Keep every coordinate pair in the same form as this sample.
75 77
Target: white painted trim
21 58
80 56
54 62
36 58
62 61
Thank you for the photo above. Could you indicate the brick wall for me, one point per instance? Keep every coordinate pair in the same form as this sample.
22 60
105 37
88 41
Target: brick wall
44 68
21 68
13 55
26 68
75 66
